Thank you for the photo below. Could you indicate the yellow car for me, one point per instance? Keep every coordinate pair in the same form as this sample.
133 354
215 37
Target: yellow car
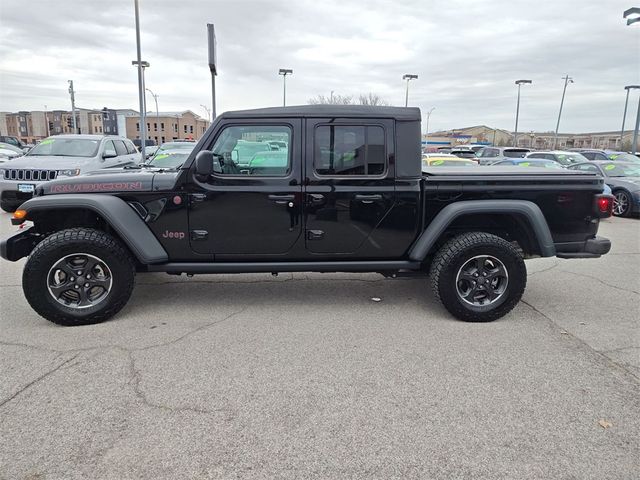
446 160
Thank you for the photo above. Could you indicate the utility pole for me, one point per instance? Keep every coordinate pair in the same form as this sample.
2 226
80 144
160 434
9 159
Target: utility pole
408 77
73 105
211 36
284 72
155 98
46 121
143 120
515 134
567 79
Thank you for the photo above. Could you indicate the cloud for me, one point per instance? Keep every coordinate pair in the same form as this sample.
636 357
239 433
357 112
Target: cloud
467 55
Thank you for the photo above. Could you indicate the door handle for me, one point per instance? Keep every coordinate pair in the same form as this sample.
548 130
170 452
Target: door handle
282 198
368 198
316 198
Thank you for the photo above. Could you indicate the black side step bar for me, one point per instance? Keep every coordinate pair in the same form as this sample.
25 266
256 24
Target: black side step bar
267 267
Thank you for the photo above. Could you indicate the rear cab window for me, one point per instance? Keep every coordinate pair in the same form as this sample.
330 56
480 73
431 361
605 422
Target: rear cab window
349 150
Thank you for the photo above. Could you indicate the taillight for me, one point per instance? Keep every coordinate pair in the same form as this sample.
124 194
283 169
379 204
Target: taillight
603 205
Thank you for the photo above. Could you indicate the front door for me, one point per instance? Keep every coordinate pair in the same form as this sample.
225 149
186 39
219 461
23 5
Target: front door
350 185
251 208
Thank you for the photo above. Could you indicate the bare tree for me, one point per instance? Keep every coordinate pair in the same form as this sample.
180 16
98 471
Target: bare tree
372 99
368 99
332 100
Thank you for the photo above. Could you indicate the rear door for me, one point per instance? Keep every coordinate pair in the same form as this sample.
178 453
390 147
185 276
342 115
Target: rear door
350 185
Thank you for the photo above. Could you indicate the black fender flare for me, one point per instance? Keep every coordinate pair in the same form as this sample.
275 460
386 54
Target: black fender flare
529 210
116 212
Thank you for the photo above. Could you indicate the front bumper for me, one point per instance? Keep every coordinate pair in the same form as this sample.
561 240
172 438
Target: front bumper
9 193
590 248
19 244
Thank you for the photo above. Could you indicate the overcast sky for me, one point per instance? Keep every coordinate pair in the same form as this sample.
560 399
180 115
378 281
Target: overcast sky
467 54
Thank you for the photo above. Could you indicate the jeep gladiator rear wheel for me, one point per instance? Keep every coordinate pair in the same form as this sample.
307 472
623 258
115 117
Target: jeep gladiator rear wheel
478 277
78 276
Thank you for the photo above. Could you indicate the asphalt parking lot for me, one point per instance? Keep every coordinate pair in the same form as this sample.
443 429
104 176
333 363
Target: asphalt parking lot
304 376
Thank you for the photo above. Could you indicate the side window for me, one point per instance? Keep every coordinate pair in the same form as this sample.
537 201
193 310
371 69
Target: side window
349 150
535 155
585 167
130 147
120 148
109 148
246 150
600 156
589 155
490 152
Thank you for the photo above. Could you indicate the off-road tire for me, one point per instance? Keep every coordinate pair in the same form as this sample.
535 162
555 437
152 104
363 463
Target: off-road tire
77 241
459 250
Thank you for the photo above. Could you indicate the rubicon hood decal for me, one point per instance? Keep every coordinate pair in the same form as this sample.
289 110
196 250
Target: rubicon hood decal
90 187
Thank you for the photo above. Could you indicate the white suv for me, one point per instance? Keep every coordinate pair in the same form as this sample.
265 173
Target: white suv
61 156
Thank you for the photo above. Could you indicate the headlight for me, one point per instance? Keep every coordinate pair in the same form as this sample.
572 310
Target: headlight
69 173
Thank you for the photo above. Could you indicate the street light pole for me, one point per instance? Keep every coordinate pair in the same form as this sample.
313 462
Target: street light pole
284 72
408 77
628 88
208 110
46 121
138 62
515 134
155 98
426 135
567 79
73 105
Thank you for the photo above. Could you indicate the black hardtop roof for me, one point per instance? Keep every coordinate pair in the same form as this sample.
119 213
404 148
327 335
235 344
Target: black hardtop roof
398 113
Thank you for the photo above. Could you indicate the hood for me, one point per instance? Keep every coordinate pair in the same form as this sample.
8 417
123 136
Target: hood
112 181
46 162
632 183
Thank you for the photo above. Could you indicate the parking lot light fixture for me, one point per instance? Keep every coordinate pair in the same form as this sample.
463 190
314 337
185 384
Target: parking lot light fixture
515 134
632 15
567 79
284 72
408 77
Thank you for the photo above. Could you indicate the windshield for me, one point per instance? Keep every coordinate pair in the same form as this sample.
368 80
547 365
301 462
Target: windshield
624 157
66 147
621 170
171 155
569 158
515 153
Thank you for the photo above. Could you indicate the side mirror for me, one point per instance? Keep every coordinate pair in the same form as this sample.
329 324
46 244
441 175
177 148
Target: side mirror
109 155
234 155
206 164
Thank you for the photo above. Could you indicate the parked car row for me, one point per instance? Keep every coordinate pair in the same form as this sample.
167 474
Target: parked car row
620 170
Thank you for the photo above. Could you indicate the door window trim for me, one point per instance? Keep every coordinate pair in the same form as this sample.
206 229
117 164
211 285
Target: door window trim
382 175
257 124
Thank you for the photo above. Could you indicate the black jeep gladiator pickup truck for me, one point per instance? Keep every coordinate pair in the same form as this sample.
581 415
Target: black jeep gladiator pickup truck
309 188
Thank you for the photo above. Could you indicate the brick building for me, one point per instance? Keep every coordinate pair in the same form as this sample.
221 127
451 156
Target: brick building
168 126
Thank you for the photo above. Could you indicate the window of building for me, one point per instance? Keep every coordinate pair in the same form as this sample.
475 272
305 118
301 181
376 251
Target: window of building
138 127
162 126
175 127
100 129
162 139
245 150
190 128
185 129
155 127
148 127
95 129
349 150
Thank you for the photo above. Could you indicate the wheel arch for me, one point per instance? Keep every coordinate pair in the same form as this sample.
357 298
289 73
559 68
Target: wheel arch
100 211
522 219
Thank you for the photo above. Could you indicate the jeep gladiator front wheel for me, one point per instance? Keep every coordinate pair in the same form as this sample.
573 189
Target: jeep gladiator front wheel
478 277
78 276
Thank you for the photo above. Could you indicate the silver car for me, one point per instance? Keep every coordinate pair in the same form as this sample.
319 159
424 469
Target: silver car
61 156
